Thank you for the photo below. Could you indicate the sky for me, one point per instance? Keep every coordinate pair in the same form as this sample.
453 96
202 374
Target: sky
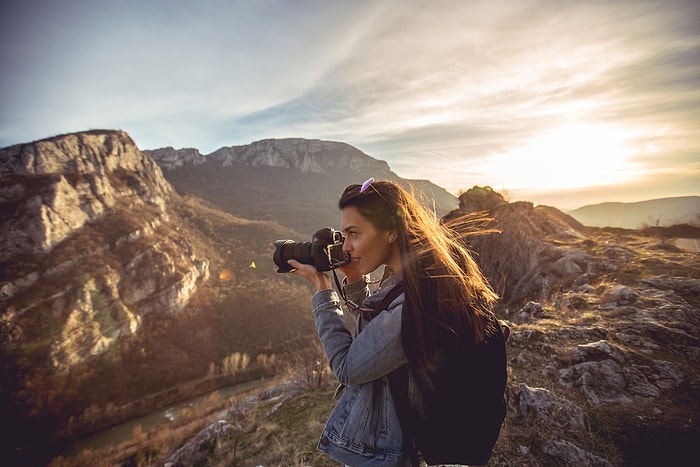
563 103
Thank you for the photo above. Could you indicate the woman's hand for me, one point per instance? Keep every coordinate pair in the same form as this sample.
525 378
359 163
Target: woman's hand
319 280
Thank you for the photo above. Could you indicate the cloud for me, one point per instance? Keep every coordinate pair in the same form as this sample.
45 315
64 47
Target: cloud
439 89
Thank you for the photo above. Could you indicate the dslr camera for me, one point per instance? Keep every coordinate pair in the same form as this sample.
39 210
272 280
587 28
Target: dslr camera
324 251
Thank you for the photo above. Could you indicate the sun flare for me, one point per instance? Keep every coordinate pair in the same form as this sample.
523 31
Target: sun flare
568 157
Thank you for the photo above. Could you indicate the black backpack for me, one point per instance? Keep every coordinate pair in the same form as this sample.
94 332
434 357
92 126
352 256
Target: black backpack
466 408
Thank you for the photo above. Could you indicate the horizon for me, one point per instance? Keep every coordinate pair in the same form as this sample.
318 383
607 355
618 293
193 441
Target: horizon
579 104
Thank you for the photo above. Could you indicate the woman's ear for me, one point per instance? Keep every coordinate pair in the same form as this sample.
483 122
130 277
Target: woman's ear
392 236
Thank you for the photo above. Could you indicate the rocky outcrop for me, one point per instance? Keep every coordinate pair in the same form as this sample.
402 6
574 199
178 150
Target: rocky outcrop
87 246
51 188
531 254
592 324
627 351
196 451
170 158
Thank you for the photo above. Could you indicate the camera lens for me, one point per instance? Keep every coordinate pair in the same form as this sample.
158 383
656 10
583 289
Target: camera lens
289 249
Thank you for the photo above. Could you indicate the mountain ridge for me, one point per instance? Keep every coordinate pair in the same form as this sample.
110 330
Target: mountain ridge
256 180
635 215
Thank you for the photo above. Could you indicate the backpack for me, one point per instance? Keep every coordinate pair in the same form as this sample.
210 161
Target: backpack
465 409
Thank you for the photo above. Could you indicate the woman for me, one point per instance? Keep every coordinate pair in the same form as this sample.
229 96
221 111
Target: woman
444 299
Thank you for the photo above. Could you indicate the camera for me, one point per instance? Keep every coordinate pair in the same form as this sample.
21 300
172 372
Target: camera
324 251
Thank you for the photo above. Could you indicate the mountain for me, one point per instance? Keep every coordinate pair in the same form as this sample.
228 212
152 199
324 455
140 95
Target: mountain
661 212
295 182
119 296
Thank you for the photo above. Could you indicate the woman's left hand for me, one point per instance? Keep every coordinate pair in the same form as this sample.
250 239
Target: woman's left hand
319 280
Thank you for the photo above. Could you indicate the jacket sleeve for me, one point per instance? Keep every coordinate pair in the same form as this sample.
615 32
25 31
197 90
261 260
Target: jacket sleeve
373 353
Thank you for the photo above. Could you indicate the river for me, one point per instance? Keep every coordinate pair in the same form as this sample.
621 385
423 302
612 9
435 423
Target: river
123 432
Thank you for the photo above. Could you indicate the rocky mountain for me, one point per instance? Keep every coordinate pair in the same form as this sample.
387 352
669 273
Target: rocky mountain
295 182
107 306
656 212
56 194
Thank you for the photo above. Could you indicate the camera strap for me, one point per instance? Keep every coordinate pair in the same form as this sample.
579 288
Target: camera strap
341 292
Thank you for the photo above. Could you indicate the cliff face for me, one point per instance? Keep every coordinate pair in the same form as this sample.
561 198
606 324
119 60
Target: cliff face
53 187
170 158
87 248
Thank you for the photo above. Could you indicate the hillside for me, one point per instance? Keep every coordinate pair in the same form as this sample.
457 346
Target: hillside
603 357
120 296
656 212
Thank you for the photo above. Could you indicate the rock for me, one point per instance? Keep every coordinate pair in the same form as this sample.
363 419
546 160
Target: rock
596 351
531 311
565 453
608 374
196 451
620 295
601 382
169 158
539 404
528 258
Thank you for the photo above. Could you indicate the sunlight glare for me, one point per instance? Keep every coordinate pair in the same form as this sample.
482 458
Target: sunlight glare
568 157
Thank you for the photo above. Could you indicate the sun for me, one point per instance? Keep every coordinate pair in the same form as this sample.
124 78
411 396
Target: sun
568 157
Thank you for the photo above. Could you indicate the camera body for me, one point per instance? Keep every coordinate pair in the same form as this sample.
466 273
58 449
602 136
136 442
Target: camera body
324 251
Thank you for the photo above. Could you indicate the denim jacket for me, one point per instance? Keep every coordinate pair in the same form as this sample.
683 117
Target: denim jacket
363 429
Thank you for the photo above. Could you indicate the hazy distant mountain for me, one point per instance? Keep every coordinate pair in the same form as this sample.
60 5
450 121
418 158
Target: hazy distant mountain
295 182
662 212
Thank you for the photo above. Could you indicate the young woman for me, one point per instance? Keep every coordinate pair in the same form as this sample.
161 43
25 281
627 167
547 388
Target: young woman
444 299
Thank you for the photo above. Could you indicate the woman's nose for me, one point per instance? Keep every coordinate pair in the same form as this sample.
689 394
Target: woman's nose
347 247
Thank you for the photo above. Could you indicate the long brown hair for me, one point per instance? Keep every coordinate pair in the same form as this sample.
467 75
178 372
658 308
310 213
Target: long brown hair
445 290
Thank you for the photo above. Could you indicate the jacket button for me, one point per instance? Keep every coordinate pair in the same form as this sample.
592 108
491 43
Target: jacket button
324 441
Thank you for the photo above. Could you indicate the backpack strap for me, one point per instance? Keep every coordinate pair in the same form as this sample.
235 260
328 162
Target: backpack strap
398 383
506 330
386 300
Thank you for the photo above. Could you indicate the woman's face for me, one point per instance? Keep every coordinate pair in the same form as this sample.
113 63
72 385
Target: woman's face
368 247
